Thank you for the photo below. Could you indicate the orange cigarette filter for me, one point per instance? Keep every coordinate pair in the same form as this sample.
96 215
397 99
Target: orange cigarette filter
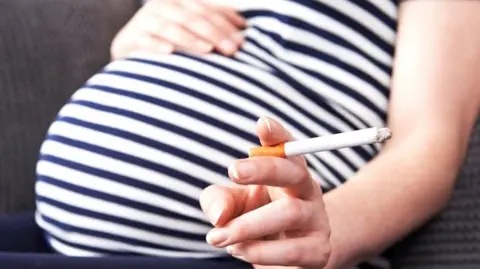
275 151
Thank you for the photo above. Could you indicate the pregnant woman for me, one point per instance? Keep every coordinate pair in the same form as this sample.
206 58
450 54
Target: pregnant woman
148 158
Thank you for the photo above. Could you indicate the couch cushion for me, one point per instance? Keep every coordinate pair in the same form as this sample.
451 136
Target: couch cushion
48 48
452 239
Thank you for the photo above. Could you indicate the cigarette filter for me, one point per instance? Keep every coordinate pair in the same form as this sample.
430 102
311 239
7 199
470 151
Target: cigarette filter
324 143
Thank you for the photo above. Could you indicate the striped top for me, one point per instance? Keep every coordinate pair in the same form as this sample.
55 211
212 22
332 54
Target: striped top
123 165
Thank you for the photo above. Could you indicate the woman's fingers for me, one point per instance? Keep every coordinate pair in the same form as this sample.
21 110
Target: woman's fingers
271 132
275 217
228 12
144 42
292 176
204 22
150 43
176 35
306 251
223 16
221 204
193 26
229 39
269 171
232 15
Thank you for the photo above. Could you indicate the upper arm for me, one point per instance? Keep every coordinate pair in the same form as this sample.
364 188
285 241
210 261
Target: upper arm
436 77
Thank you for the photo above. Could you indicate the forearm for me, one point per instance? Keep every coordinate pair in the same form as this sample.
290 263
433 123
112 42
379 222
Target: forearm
434 103
391 196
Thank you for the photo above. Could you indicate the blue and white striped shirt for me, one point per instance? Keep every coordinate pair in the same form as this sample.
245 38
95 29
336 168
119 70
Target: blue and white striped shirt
124 163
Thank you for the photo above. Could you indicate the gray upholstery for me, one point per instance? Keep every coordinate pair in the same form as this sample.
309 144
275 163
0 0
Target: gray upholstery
49 47
452 239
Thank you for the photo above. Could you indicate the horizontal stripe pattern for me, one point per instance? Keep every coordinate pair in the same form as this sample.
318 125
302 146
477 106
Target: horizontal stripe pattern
124 163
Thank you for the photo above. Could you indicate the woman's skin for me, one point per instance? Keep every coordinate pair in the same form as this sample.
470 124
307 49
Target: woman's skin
164 26
277 215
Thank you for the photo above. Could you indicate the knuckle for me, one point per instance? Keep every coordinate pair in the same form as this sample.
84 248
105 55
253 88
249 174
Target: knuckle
144 42
120 45
171 29
325 237
271 167
303 175
327 234
201 24
115 54
197 20
202 10
294 207
223 22
299 210
293 257
178 14
324 252
217 18
241 231
251 256
115 48
322 248
152 24
187 17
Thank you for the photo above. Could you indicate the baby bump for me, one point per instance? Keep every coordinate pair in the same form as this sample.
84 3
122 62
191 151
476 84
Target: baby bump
124 163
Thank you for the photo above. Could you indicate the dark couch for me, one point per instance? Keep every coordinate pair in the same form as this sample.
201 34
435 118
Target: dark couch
49 48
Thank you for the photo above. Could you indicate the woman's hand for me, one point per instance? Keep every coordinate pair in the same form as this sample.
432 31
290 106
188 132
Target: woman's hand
276 215
163 26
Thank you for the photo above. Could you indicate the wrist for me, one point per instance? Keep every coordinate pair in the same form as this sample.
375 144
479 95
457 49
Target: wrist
347 249
336 260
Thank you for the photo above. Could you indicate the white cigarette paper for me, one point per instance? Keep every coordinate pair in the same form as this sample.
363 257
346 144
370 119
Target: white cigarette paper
337 141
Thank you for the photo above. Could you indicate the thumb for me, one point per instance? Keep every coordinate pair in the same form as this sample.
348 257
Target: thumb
221 204
271 132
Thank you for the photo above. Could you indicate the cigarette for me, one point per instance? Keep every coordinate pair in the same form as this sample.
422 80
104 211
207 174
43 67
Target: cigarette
324 143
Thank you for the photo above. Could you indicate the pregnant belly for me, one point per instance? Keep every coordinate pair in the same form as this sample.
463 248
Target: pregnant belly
123 165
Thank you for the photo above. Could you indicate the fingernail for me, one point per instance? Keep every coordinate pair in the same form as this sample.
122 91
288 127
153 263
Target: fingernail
244 170
232 250
216 211
203 46
227 46
268 122
216 237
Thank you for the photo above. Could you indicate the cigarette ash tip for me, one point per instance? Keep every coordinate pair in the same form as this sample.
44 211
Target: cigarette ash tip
383 134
